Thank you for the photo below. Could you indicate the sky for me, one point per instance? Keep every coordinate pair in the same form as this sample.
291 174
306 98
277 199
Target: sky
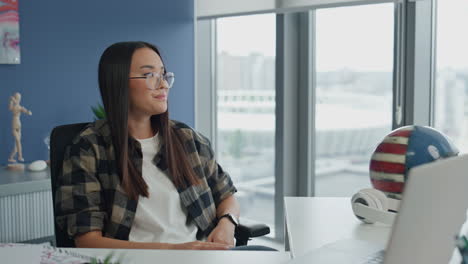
359 38
240 36
452 37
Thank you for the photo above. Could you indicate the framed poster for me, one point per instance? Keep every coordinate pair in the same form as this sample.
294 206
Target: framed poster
9 32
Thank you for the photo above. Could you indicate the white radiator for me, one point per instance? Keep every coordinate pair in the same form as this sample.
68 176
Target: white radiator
26 216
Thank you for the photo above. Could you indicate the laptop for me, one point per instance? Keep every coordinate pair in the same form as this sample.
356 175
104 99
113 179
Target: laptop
432 211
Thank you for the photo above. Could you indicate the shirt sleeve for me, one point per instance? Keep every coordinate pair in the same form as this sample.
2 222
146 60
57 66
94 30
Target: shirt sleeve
78 196
220 182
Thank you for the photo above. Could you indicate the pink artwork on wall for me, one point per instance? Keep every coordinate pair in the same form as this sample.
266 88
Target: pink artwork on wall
9 32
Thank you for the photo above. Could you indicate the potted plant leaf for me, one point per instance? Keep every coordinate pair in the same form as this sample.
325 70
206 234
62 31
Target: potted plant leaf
99 112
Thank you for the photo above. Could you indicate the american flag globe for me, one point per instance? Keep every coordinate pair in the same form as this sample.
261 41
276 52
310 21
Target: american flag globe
403 149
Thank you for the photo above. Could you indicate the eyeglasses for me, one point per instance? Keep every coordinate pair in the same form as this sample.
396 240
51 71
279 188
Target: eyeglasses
154 79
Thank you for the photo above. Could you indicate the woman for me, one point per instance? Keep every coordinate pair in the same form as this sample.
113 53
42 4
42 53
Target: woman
138 179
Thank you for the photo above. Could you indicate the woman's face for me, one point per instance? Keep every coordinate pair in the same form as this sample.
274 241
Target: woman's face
143 101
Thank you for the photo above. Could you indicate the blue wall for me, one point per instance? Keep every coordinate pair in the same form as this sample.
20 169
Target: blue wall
61 42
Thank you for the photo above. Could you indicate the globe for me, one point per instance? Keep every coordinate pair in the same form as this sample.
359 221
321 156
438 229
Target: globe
405 148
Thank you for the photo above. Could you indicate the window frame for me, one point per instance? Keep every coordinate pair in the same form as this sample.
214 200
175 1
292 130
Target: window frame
413 83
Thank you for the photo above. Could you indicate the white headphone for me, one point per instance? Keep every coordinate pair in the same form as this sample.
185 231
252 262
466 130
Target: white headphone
372 205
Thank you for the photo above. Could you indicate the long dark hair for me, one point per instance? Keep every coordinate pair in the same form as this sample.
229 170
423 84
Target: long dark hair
114 70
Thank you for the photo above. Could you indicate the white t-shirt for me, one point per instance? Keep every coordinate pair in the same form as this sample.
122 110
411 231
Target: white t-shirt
161 217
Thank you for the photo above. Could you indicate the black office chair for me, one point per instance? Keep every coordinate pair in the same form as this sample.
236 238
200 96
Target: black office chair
62 136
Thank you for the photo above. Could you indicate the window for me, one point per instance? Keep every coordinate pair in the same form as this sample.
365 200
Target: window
245 77
451 100
354 71
348 94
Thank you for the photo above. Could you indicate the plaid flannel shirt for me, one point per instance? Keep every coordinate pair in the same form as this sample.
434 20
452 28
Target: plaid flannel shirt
89 195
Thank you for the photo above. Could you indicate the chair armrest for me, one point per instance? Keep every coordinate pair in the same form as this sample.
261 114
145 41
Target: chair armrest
243 233
253 230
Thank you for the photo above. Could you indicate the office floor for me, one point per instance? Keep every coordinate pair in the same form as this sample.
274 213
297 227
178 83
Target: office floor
342 184
260 206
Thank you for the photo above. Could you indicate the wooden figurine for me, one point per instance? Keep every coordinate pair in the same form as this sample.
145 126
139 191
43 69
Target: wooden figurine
16 109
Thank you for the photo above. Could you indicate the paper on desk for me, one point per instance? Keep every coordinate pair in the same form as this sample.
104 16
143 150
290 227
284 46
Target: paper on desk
43 254
20 253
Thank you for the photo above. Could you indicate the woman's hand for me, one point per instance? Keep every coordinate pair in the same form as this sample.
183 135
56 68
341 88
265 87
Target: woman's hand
223 233
200 245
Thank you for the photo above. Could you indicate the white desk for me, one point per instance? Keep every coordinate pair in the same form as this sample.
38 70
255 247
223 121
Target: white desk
313 222
142 256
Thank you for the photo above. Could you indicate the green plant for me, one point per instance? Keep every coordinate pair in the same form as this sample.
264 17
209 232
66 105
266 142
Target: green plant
99 112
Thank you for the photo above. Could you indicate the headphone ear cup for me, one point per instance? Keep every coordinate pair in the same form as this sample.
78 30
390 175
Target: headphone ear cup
366 198
381 197
371 205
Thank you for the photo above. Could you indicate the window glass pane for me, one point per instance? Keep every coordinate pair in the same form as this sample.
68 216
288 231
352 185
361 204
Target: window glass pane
246 110
451 101
354 71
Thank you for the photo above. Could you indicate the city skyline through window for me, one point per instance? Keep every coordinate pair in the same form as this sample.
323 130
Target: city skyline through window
354 85
451 83
245 86
354 91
